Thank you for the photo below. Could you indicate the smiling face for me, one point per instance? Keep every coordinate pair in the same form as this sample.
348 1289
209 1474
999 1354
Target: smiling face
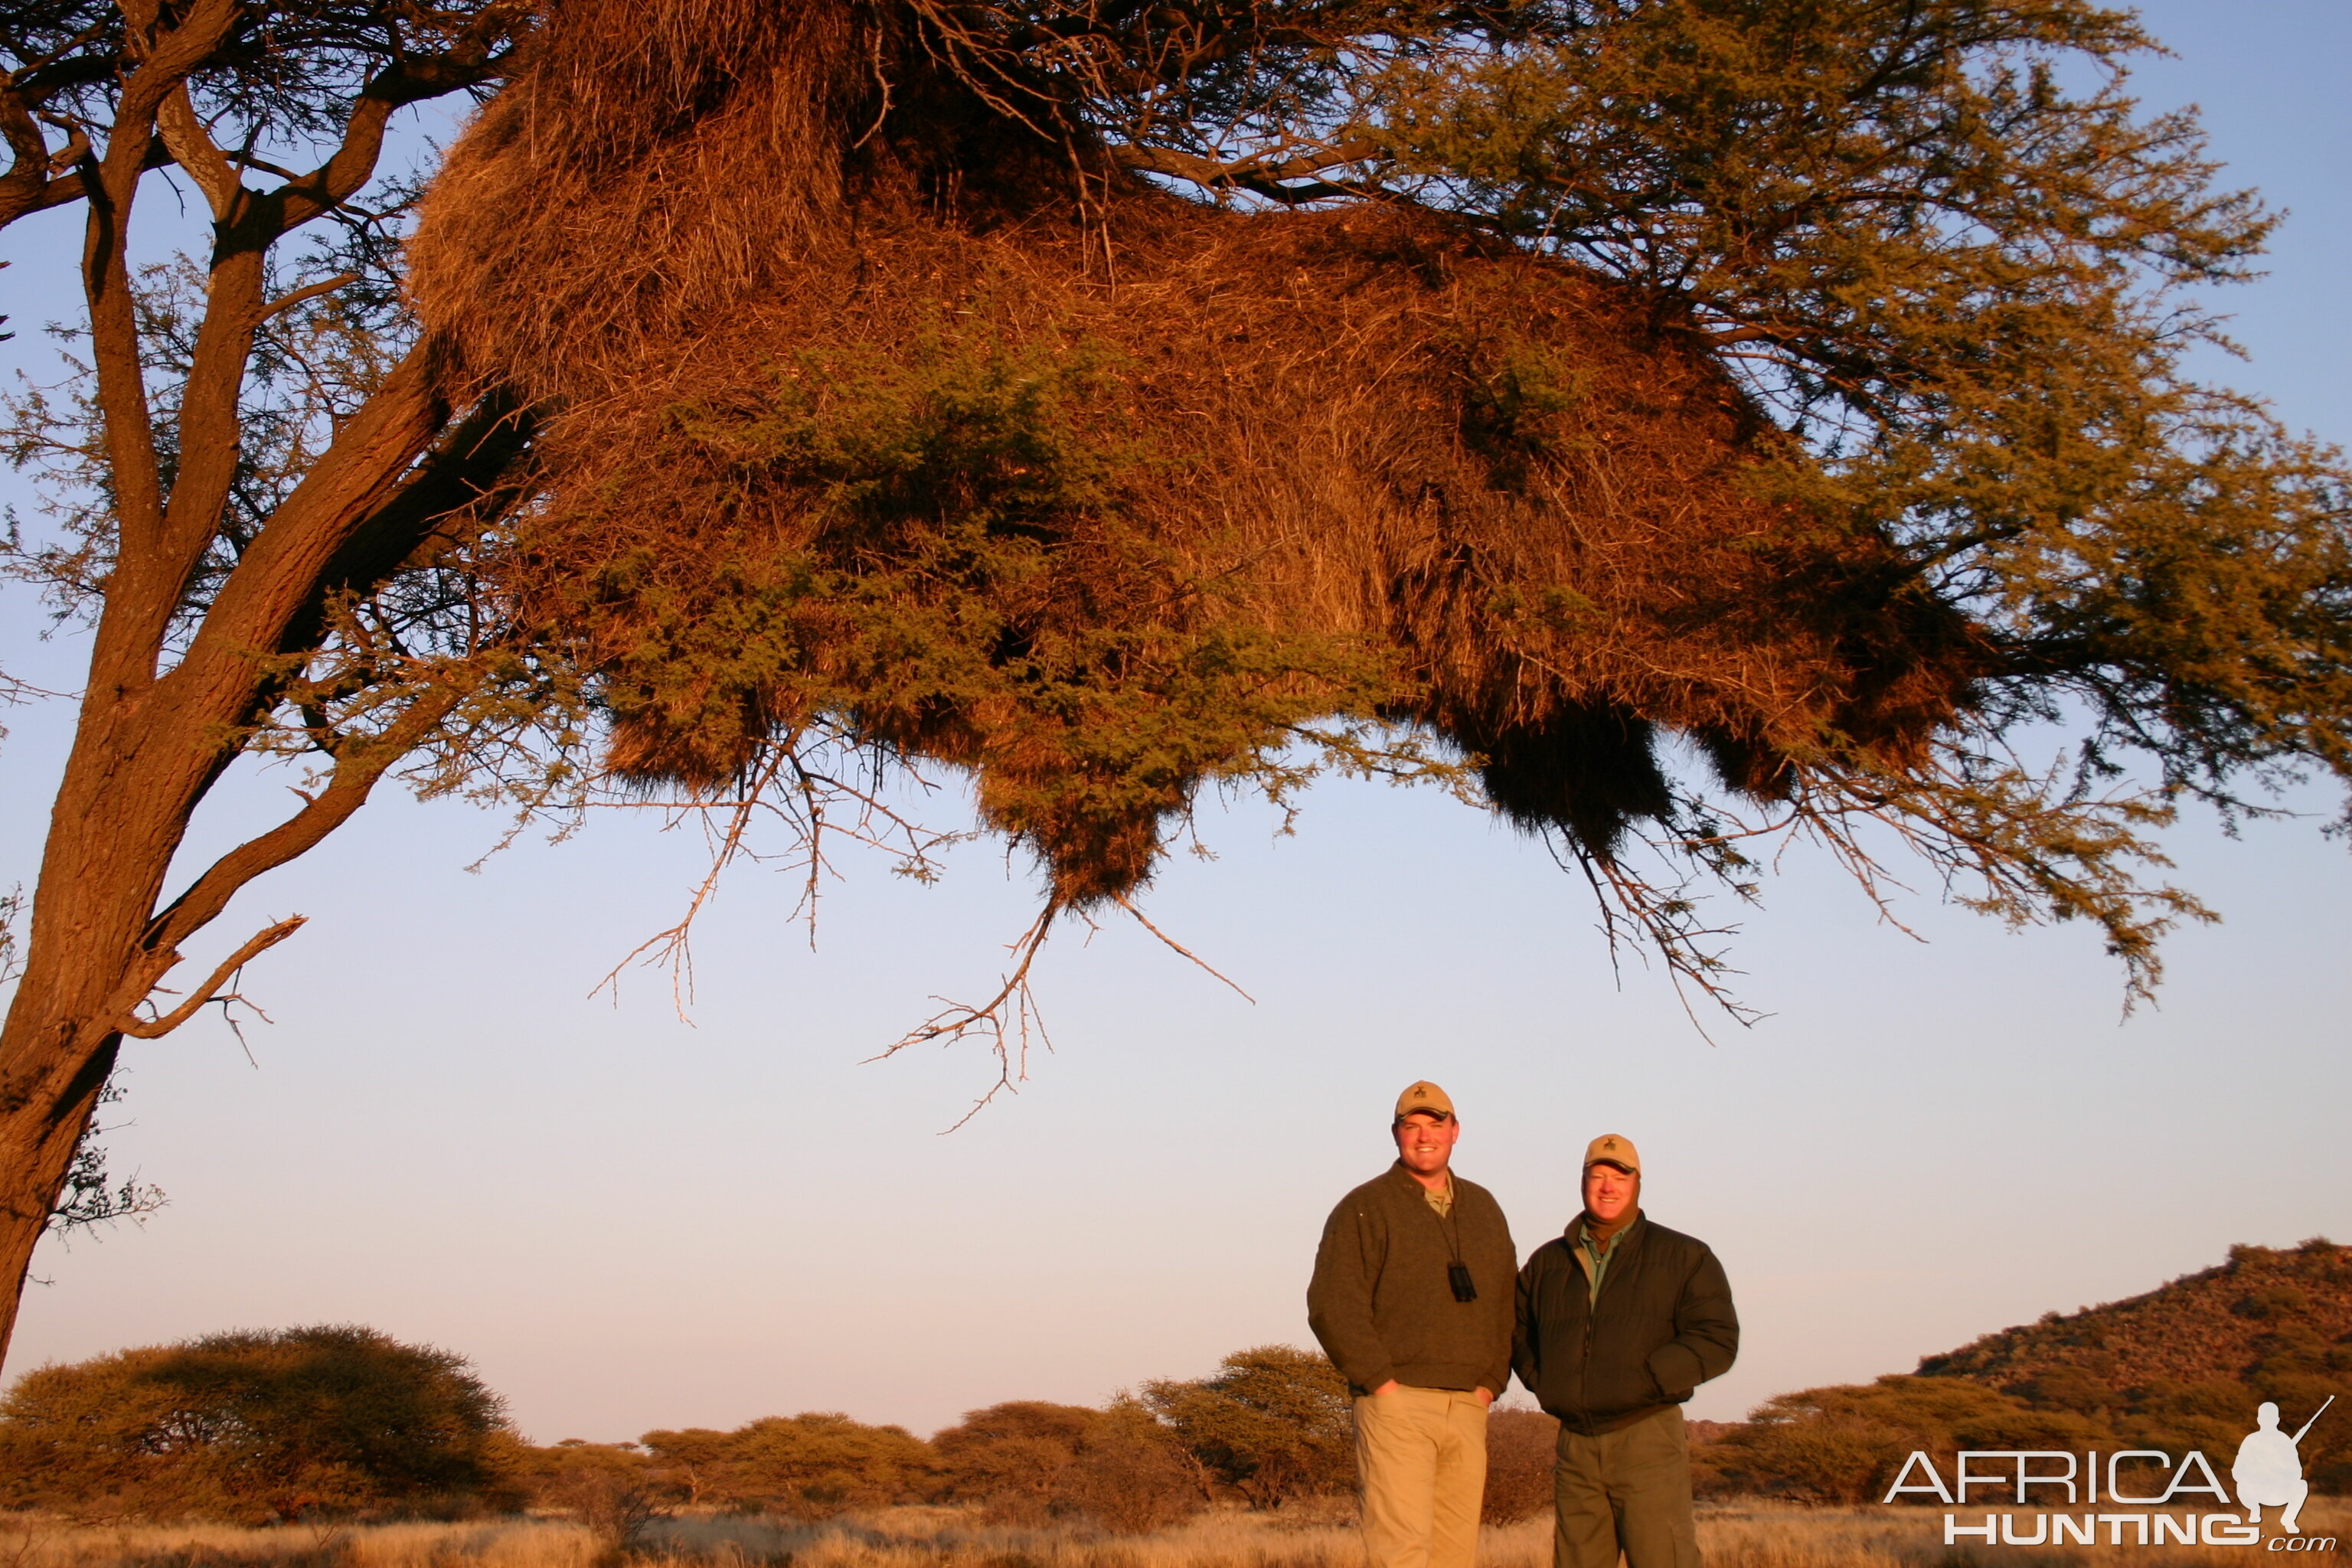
1425 1144
1610 1191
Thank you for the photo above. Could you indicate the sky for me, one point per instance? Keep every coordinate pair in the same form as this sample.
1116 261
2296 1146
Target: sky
631 1214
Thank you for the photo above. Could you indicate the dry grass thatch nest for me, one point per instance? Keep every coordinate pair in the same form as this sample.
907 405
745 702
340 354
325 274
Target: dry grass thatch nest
858 416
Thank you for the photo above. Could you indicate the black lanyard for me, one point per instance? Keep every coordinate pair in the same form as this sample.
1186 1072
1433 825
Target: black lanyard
1457 1273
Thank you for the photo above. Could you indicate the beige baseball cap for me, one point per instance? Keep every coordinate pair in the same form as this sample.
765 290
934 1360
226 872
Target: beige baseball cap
1424 1098
1608 1149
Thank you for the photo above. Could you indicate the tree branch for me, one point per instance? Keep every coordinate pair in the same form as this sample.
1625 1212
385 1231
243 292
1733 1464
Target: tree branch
1256 176
68 189
28 173
352 164
260 942
480 454
356 772
1008 1019
286 302
191 148
364 474
147 579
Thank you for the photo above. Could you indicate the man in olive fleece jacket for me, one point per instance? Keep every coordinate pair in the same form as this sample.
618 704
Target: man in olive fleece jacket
1412 1302
1619 1319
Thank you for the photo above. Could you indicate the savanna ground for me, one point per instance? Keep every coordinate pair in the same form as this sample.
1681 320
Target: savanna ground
1745 1535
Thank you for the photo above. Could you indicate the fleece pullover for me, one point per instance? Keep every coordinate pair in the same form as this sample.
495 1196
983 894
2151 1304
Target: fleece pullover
1381 1302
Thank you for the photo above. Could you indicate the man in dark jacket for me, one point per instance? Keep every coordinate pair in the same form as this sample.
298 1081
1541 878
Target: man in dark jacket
1410 1302
1620 1319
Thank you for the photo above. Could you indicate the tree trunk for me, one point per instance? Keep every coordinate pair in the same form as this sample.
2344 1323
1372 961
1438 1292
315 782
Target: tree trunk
154 732
131 784
146 753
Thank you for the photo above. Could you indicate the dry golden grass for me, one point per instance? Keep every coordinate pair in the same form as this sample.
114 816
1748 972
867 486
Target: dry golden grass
1734 1535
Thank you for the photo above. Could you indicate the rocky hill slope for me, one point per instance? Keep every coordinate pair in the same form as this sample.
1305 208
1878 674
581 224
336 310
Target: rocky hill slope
2260 1308
2181 1367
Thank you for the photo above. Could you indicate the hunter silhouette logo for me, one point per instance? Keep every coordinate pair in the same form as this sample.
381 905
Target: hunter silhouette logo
2269 1468
2267 1472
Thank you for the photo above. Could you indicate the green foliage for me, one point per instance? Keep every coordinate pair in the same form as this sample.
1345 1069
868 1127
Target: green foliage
964 427
613 1489
964 549
1271 1424
1843 1444
1954 278
253 1426
1013 1459
1948 271
1027 1462
1274 1423
1131 1474
812 1466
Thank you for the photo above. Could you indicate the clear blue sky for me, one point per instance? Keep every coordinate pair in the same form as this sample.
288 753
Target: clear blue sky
631 1221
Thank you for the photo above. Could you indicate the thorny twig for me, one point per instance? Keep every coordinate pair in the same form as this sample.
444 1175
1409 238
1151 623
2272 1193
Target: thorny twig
1668 919
783 785
1008 1037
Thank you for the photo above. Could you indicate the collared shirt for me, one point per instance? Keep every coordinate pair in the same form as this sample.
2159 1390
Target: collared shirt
1597 1254
1441 1198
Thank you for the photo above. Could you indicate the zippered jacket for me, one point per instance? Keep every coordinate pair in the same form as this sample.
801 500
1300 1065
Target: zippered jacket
1662 1325
1381 1302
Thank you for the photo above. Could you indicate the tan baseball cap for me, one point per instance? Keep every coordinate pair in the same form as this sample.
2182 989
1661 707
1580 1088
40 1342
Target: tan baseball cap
1424 1098
1608 1149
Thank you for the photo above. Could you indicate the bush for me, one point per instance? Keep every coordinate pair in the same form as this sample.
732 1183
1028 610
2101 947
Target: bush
1842 1445
611 1487
1130 1475
1011 1459
811 1466
1521 1448
1027 1462
1273 1423
255 1426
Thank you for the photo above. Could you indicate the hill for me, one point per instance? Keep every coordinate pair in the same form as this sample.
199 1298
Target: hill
2231 1323
2180 1367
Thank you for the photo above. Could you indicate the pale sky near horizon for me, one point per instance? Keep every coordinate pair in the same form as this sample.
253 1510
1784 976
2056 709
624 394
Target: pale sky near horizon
628 1221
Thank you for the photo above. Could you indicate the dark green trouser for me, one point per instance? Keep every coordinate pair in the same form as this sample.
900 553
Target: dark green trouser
1628 1490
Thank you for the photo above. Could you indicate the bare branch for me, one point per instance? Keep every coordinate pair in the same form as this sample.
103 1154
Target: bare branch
260 942
68 188
362 763
21 186
1184 951
1275 181
191 148
285 302
1008 1017
674 946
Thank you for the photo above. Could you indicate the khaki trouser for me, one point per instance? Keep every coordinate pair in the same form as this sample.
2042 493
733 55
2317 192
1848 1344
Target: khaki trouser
1627 1490
1422 1456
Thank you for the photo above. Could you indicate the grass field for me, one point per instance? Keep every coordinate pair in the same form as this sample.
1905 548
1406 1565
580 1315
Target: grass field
1745 1535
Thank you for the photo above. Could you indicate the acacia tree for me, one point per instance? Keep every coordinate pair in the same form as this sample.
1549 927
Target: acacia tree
1271 1421
1928 294
246 454
255 1426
